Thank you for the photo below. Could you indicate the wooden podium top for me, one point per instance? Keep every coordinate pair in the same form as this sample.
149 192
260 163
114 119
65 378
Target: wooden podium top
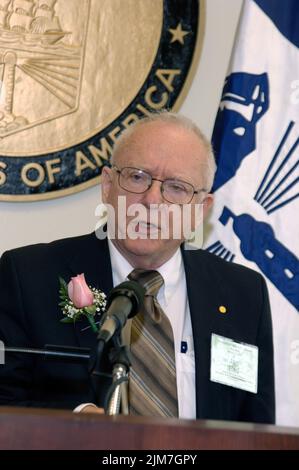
29 428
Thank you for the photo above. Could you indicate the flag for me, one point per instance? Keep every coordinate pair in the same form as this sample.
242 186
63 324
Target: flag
255 220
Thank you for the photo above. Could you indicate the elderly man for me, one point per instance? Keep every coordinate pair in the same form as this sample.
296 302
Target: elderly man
202 344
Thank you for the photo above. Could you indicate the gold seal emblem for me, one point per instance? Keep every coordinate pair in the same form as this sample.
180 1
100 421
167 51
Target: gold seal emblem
74 74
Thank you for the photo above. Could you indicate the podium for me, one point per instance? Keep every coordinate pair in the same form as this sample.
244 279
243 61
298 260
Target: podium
40 429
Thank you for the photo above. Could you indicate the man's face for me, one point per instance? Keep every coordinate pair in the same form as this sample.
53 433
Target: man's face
165 151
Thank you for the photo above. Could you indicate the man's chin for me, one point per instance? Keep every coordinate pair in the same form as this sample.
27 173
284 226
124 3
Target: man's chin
147 254
143 246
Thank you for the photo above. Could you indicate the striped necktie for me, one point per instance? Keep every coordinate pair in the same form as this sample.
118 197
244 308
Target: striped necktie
152 383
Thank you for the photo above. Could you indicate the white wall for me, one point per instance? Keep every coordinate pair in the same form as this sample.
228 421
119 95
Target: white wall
26 223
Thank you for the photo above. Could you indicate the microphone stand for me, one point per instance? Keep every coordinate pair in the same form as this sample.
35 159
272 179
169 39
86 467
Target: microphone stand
117 395
124 301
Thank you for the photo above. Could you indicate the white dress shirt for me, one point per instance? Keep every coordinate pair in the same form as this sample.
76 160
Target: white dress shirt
174 301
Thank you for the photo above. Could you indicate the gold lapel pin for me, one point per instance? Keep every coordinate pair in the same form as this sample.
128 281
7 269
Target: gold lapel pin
222 309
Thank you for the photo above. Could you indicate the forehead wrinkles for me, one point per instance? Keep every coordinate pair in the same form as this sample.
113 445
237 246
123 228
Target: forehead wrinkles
159 145
149 143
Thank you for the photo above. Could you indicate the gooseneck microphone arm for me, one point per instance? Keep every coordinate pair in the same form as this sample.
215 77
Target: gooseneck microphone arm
124 301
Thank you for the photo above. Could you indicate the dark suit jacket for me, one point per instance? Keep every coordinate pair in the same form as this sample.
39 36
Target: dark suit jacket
30 316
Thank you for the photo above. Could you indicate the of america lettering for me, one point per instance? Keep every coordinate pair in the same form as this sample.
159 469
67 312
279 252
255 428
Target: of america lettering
59 123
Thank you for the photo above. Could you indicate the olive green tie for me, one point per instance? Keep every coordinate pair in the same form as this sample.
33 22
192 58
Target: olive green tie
152 383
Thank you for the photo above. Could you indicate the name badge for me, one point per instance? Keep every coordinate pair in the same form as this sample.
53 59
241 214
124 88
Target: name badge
234 364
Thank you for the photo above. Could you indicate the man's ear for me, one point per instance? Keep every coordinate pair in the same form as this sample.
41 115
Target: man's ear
207 204
106 182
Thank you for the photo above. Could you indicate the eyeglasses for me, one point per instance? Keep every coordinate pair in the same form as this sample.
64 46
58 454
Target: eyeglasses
138 181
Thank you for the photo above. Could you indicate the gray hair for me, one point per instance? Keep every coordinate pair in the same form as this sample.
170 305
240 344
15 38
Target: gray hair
179 120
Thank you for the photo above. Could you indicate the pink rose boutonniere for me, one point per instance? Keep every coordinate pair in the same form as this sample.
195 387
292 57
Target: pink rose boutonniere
78 300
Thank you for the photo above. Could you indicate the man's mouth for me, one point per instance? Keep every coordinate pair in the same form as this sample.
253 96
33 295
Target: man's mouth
142 226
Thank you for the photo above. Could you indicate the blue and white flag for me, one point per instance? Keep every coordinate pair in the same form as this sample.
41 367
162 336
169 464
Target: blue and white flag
255 220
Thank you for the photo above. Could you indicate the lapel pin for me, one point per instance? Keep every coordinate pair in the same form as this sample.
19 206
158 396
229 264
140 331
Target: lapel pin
222 309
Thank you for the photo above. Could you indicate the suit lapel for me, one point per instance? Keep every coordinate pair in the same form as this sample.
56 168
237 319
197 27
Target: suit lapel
94 261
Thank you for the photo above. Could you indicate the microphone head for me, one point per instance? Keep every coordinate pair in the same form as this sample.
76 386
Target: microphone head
133 291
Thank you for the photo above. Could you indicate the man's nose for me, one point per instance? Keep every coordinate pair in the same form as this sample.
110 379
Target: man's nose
153 195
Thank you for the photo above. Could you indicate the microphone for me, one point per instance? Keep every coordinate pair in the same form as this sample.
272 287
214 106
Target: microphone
124 301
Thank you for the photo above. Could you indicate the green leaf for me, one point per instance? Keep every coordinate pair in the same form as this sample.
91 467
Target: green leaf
63 291
67 320
62 282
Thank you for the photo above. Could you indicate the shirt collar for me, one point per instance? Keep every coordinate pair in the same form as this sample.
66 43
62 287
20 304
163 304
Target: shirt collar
121 268
171 271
